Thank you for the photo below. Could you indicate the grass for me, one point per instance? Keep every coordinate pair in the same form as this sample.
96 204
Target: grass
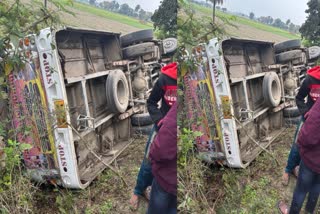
112 16
257 189
106 194
248 22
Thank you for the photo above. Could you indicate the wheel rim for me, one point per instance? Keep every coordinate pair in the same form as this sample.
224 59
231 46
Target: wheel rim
121 92
275 90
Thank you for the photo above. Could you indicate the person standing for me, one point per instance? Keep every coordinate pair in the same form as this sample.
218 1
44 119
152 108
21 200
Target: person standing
310 88
309 174
163 157
165 90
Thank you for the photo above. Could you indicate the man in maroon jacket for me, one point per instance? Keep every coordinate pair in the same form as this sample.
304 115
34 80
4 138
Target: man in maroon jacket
309 173
163 156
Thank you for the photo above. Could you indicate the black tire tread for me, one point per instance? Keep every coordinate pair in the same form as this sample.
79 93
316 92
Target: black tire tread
110 92
288 56
267 92
287 45
141 119
142 130
135 37
291 112
138 50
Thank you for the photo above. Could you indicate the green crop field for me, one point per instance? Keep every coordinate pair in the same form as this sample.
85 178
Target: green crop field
106 20
112 16
248 22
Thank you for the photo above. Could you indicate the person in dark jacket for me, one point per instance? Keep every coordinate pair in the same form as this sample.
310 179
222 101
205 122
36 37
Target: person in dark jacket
163 157
310 88
309 173
165 89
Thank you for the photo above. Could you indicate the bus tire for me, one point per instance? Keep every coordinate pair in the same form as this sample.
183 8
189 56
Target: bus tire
136 37
287 45
271 89
138 50
117 91
291 112
141 119
142 130
289 56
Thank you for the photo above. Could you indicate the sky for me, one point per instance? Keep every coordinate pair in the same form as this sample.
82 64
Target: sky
283 9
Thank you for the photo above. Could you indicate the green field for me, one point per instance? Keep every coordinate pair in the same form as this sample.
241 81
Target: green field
112 16
203 10
248 22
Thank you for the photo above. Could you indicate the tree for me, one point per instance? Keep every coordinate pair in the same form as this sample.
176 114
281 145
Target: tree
105 5
310 30
115 6
288 22
269 20
137 11
165 18
251 15
137 8
280 24
126 10
92 2
292 28
142 14
215 3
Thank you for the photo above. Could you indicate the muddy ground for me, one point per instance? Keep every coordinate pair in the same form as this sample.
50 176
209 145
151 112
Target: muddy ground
248 32
256 189
106 194
88 20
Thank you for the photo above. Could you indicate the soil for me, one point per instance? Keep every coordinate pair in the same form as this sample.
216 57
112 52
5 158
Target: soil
247 32
256 189
88 20
106 194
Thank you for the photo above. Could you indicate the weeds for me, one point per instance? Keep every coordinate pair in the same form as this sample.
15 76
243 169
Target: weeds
192 188
16 190
65 202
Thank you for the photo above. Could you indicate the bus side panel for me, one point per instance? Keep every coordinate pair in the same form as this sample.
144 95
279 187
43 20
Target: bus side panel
30 113
223 99
202 113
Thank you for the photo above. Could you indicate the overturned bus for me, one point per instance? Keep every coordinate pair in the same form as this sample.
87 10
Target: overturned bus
242 95
74 98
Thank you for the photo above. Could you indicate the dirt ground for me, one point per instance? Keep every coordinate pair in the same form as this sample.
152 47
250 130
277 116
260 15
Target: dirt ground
88 20
107 194
248 32
258 188
92 21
